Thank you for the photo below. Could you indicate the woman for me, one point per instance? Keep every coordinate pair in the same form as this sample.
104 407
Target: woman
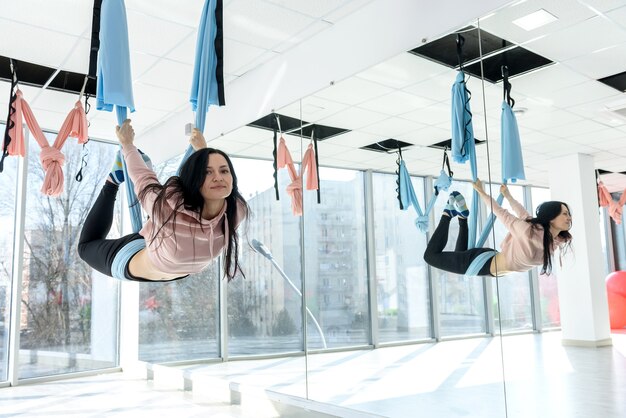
193 216
530 241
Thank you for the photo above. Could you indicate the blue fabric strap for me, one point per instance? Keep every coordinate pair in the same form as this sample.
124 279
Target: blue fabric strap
408 197
133 204
123 256
489 224
512 162
478 263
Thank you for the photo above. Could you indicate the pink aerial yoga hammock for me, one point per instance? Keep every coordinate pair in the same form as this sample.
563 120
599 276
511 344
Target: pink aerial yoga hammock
283 159
51 157
606 200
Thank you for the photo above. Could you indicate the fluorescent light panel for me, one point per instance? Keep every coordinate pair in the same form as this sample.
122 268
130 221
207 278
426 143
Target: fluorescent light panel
535 20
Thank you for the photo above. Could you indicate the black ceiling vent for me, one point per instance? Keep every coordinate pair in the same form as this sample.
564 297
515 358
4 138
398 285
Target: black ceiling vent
602 171
443 50
38 75
293 126
518 60
617 81
447 144
496 52
388 145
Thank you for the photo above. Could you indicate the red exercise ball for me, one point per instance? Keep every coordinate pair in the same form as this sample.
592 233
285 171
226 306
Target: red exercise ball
617 311
616 292
616 283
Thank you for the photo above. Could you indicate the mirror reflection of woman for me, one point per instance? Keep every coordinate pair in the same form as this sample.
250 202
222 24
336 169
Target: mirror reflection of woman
530 241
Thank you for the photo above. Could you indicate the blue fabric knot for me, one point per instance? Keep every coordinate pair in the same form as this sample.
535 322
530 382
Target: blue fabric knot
422 223
443 182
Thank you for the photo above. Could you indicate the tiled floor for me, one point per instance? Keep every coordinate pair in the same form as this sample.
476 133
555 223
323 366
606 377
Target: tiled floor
462 378
106 395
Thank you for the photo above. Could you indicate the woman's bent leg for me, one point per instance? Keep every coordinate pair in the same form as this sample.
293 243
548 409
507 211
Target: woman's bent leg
100 218
461 239
451 261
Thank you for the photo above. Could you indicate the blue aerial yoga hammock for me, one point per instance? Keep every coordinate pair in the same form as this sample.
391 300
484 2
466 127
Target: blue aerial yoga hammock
464 148
207 87
114 86
406 193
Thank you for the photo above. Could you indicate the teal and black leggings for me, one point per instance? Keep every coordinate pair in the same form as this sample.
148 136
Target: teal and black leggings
93 247
456 261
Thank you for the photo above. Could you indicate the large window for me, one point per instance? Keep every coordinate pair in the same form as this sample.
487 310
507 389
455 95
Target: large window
265 307
8 181
403 291
68 317
335 259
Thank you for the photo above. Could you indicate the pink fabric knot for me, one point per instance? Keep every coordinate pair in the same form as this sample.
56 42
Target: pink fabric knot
52 159
295 192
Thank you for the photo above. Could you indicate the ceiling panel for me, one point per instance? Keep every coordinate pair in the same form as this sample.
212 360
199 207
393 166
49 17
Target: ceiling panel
315 9
391 127
353 118
168 74
354 139
402 71
186 12
568 13
316 108
308 32
396 103
262 24
438 88
587 92
540 83
38 13
154 36
52 53
584 38
600 63
353 91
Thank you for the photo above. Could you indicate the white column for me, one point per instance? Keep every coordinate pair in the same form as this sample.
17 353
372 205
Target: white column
582 290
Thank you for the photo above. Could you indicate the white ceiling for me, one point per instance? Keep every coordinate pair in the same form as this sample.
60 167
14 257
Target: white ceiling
393 95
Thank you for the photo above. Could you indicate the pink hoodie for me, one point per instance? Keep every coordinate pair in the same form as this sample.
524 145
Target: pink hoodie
523 245
196 241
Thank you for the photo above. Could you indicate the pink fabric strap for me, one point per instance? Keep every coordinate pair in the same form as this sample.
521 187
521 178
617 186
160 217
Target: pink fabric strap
606 200
51 157
294 189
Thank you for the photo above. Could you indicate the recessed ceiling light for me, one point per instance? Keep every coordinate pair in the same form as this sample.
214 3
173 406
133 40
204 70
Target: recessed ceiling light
535 20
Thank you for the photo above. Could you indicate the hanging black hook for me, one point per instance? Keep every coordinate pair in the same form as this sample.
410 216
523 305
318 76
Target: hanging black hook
460 41
506 85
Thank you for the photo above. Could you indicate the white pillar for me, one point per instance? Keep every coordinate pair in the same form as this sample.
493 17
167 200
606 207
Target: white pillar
582 289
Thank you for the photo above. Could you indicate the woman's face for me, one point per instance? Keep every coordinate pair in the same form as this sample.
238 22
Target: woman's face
563 221
218 184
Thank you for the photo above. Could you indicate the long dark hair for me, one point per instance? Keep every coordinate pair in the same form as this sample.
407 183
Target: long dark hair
184 190
545 213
